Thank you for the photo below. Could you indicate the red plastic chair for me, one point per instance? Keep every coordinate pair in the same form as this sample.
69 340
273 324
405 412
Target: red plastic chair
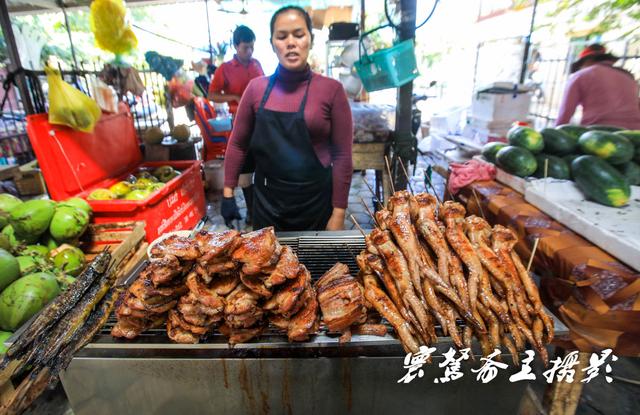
215 143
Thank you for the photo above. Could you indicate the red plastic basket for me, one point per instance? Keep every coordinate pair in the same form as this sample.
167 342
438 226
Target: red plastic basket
75 163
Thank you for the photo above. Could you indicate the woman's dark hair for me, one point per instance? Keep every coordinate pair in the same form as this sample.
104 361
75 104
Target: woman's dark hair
303 13
243 34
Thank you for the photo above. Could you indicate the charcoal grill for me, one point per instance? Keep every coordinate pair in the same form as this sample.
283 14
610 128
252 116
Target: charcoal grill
271 375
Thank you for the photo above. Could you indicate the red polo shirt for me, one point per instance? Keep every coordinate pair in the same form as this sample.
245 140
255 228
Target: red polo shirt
233 77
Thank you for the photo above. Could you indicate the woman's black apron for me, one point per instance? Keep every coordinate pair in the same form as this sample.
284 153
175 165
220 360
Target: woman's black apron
292 189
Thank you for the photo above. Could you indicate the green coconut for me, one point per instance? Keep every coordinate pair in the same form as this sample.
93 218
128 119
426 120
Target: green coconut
78 203
35 250
70 261
28 264
68 223
23 298
5 243
9 269
47 240
31 219
8 202
4 335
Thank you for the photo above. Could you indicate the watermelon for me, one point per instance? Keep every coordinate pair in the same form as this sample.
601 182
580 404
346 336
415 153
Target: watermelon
611 147
600 127
516 160
558 142
527 138
600 181
557 167
489 150
631 135
631 171
573 130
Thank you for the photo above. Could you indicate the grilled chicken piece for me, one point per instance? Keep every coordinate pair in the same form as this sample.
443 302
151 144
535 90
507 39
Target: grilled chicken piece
397 267
196 313
145 291
177 321
162 271
242 310
453 214
237 336
256 249
131 327
208 271
180 335
286 269
341 298
224 284
279 321
137 304
286 297
385 307
216 244
204 294
370 329
256 284
185 249
306 321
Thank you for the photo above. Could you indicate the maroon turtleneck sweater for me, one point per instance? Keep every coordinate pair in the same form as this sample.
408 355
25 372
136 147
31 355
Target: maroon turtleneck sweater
327 115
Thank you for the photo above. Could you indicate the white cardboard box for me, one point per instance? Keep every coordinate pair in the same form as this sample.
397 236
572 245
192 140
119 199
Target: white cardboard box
506 107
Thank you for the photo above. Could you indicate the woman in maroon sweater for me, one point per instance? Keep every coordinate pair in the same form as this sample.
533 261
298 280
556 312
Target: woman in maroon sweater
297 124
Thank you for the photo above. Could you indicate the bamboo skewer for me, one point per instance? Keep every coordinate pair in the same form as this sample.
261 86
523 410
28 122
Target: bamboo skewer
435 193
475 195
386 162
533 253
373 193
404 170
369 212
355 222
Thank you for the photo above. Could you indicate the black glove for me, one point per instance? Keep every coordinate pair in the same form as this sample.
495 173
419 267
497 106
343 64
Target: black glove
229 210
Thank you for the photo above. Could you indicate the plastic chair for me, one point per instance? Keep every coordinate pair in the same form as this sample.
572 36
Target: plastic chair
215 143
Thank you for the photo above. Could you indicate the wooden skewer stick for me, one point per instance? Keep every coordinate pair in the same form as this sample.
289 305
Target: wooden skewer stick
475 195
404 170
372 192
355 222
435 193
386 161
533 253
546 171
369 212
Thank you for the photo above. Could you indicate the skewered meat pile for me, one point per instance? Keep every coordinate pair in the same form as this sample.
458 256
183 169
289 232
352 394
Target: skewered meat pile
234 282
427 263
148 300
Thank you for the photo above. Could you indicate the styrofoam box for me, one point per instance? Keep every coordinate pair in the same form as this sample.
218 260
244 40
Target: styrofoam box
505 107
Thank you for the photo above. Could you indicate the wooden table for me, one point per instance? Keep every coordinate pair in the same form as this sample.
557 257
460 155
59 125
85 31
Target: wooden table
371 156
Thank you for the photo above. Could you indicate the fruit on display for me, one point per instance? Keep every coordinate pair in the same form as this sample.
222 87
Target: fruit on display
47 240
600 127
120 189
24 297
35 250
558 142
181 132
10 235
68 223
69 260
4 242
631 135
101 194
153 135
526 137
630 170
137 186
614 148
7 203
9 269
600 181
490 150
574 131
78 203
557 167
31 218
28 264
4 335
516 160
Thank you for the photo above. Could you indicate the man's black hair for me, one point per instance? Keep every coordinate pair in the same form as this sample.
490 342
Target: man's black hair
243 34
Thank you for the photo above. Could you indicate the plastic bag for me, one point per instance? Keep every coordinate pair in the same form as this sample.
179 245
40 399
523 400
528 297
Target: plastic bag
69 106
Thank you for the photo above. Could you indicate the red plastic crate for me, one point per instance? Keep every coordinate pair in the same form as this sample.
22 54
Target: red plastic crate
75 163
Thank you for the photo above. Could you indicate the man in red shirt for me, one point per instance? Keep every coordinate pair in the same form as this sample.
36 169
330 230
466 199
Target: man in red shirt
228 85
232 77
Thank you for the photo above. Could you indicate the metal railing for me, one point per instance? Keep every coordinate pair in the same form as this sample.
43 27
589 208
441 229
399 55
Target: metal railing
14 143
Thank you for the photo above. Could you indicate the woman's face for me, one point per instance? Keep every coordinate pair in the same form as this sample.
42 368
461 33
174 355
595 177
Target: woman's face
291 40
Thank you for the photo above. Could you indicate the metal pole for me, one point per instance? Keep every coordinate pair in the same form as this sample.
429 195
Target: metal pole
60 4
403 137
14 58
527 44
206 6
